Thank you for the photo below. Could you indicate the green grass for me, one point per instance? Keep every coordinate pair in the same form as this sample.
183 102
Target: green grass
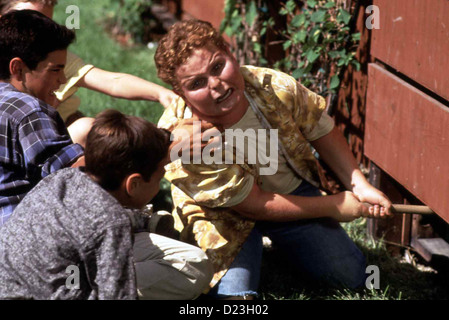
96 47
398 281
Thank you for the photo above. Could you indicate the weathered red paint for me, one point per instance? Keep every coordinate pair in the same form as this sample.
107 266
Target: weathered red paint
414 39
407 136
212 11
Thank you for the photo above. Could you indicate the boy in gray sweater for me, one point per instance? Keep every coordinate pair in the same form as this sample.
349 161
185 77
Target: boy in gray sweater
72 235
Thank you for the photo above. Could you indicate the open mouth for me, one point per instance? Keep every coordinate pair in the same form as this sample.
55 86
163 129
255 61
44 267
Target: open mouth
225 96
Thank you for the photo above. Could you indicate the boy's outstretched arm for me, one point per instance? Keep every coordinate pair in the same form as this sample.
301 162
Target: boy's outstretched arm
269 206
334 150
125 86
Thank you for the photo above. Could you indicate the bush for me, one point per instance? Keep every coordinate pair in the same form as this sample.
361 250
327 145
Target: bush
316 37
134 18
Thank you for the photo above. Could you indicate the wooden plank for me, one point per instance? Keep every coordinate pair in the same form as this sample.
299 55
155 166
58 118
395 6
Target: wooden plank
414 39
407 136
389 230
212 11
431 247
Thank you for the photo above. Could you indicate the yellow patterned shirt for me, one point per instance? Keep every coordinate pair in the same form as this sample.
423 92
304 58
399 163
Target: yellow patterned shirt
200 192
74 70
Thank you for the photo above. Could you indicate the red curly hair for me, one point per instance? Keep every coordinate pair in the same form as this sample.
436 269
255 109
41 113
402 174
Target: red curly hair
178 45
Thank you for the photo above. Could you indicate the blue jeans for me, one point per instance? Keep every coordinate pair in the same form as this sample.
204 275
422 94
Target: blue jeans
320 248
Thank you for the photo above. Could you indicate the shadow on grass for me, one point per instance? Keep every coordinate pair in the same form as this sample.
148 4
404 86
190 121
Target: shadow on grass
398 280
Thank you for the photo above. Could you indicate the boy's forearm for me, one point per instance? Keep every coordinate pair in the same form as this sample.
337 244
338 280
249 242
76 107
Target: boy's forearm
121 85
334 150
268 206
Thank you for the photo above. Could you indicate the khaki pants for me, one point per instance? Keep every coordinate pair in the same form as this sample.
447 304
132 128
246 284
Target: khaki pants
167 269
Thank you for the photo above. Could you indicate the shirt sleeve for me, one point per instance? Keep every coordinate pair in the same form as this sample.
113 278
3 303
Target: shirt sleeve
323 127
46 147
74 70
309 108
110 264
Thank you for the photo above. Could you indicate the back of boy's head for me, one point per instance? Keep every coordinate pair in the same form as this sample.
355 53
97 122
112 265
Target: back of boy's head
119 145
7 5
30 36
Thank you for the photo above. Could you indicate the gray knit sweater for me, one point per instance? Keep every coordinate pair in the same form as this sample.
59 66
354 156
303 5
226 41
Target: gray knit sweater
67 220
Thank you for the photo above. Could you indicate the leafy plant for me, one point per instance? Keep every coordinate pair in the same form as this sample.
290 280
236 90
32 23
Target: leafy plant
133 17
246 23
316 38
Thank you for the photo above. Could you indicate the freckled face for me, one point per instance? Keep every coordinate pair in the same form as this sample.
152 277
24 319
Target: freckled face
212 86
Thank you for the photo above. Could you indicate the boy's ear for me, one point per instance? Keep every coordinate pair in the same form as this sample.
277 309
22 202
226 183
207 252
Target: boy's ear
132 184
17 68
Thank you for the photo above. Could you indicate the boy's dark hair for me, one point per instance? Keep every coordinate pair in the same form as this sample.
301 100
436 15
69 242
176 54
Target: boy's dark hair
30 36
119 145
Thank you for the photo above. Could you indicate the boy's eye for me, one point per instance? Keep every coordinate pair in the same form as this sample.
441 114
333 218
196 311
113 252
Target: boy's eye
217 67
195 84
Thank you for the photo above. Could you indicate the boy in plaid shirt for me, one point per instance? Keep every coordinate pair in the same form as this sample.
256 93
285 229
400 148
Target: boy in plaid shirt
34 141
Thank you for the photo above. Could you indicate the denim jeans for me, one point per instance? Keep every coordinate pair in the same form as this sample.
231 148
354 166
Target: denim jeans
319 248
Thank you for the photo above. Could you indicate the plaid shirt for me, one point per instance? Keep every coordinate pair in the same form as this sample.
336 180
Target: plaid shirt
34 142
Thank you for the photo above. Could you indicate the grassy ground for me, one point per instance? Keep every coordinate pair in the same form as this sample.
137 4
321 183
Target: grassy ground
398 280
95 47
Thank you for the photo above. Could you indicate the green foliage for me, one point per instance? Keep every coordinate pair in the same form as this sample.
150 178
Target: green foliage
244 23
132 17
95 46
317 39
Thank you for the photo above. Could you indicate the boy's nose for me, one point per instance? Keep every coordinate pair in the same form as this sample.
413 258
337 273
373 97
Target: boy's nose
214 82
